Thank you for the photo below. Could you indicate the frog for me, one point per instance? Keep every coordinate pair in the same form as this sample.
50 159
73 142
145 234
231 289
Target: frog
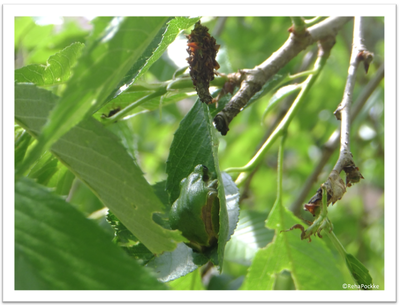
196 211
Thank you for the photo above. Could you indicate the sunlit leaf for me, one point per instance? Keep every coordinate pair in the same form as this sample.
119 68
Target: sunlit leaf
95 156
311 264
57 70
115 56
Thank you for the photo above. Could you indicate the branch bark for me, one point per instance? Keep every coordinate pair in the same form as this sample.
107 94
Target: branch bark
335 185
333 142
255 78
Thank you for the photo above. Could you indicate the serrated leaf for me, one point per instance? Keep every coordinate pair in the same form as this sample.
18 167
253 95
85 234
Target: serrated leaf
192 145
122 98
115 55
172 265
311 264
56 247
94 155
250 235
174 26
195 142
232 197
57 70
359 271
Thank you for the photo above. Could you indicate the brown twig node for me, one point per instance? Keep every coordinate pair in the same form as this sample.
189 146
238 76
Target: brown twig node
202 49
335 185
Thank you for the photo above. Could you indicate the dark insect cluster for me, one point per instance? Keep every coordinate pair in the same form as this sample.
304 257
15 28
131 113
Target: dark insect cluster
202 49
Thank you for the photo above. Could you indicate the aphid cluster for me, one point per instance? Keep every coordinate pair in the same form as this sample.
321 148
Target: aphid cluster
202 49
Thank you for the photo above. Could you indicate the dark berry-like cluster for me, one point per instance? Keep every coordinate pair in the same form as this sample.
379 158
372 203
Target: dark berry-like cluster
202 49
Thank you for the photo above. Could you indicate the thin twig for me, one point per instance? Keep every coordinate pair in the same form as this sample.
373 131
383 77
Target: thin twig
255 78
336 186
323 55
331 145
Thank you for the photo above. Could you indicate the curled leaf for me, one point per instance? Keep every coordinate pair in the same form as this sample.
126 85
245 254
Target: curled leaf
335 191
335 187
353 175
303 232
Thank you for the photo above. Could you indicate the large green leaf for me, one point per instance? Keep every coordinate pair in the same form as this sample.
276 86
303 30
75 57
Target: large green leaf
312 265
112 58
56 247
57 70
96 156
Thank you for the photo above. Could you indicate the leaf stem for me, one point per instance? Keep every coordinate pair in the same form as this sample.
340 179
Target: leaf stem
124 112
337 244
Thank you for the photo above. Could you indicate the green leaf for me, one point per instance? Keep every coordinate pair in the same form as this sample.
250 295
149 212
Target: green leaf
232 202
312 265
56 247
114 57
191 281
195 142
192 145
123 98
96 156
62 180
57 70
172 265
250 235
22 142
359 271
175 25
128 97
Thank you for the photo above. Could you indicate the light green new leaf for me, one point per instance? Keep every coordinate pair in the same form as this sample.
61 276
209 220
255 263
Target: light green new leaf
312 265
112 58
95 155
57 70
126 97
56 247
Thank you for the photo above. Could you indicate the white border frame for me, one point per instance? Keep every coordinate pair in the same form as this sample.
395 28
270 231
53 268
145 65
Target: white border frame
11 11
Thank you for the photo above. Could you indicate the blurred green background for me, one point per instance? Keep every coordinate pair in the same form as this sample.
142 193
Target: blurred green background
246 42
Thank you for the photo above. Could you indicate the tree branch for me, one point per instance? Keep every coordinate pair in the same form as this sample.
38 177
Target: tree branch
333 142
335 185
255 78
